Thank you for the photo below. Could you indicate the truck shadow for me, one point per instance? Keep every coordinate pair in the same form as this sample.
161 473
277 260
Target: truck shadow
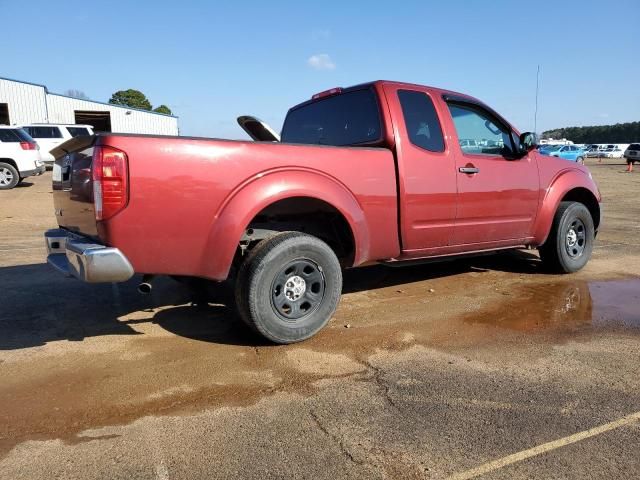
39 306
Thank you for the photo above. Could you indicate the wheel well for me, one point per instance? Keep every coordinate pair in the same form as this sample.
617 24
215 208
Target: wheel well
10 162
587 198
308 215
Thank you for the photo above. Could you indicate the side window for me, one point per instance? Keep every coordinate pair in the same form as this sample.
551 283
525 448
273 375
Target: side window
485 136
44 132
421 120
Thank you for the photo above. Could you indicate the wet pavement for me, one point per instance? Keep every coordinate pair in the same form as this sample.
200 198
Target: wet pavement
425 372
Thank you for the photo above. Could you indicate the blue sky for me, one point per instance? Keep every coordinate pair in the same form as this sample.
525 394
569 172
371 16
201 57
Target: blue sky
211 63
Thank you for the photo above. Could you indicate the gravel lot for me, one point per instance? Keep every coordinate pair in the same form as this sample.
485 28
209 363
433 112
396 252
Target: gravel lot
483 367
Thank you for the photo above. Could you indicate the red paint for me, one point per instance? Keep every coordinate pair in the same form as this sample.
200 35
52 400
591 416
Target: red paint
190 200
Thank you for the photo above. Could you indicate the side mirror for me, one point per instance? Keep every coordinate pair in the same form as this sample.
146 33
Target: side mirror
528 141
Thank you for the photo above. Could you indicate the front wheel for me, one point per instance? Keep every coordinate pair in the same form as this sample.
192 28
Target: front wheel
580 160
570 242
9 176
289 287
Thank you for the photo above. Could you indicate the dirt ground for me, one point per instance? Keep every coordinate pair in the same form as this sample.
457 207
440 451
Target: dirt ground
485 367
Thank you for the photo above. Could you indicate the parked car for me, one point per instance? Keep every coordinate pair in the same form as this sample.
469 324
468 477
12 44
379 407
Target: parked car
632 153
371 173
49 136
613 152
596 151
19 157
568 152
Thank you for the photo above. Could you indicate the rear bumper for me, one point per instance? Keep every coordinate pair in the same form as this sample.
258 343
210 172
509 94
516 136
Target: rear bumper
32 173
87 261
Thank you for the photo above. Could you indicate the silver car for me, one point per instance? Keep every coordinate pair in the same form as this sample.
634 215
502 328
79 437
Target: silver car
632 153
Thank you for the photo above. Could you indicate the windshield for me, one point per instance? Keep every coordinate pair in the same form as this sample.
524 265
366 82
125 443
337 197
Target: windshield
350 118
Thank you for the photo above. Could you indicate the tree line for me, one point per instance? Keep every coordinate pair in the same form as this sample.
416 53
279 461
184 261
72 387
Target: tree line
126 98
618 133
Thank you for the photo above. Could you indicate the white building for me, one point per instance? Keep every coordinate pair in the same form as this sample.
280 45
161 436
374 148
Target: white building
23 102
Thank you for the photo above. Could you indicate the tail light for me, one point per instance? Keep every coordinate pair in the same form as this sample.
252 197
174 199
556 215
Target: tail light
109 172
29 145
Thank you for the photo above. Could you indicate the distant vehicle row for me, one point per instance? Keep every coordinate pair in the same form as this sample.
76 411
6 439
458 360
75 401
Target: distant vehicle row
610 150
578 153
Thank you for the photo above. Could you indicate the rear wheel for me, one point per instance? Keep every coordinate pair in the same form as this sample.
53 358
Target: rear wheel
570 242
580 160
9 176
289 287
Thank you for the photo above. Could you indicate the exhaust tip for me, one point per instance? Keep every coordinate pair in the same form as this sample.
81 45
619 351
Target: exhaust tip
145 288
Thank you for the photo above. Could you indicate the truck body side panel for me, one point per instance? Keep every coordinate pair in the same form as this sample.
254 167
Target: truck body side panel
187 209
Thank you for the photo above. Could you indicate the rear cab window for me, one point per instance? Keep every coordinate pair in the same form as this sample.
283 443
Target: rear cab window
421 120
44 132
349 118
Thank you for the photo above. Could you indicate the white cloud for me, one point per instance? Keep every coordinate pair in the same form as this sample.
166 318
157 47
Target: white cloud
321 61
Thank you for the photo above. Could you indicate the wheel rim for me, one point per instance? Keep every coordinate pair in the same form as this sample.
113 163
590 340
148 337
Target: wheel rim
6 176
575 238
298 289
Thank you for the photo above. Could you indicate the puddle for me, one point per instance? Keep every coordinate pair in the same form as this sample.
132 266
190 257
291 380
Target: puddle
578 305
616 303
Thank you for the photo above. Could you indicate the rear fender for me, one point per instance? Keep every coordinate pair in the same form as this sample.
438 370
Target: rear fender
264 189
565 182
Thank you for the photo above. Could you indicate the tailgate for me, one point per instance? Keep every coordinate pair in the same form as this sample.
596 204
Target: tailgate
72 186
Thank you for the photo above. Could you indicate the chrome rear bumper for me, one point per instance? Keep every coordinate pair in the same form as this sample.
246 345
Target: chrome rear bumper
90 262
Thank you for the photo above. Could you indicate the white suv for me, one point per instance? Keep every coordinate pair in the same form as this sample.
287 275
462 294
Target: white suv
19 157
49 136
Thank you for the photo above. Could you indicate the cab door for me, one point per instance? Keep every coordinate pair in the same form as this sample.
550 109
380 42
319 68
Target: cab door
426 170
497 194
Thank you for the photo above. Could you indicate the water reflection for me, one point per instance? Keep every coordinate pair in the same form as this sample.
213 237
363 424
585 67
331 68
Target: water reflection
573 305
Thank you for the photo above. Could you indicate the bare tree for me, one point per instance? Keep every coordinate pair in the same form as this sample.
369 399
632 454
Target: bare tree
79 94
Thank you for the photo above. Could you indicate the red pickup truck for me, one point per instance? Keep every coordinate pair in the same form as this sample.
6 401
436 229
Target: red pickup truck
379 172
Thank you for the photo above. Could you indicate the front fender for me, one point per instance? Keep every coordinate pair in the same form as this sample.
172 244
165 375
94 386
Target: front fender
264 189
562 184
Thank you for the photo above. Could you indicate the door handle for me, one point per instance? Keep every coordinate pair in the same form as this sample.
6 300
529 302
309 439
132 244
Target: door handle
469 170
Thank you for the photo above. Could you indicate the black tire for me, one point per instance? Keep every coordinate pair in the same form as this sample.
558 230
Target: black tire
570 242
289 287
9 176
580 160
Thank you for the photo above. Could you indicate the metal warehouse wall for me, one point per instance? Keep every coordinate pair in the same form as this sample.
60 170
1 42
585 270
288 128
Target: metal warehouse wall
61 110
30 103
26 102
